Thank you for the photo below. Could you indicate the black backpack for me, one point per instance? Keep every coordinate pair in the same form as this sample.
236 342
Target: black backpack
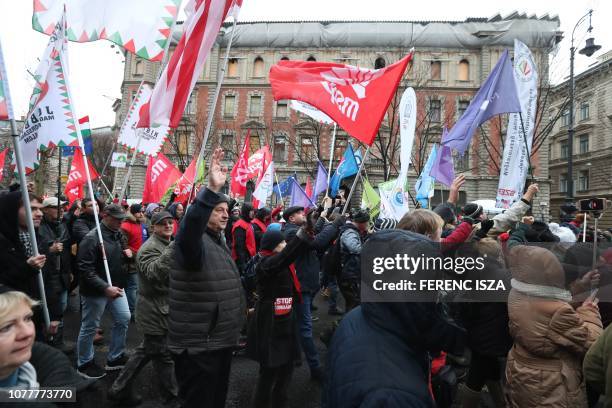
332 259
249 275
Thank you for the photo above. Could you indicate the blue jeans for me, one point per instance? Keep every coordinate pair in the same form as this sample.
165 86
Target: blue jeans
91 312
305 321
64 304
131 290
332 301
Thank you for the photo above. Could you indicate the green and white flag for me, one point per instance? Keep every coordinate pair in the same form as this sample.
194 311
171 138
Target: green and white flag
50 121
370 199
140 26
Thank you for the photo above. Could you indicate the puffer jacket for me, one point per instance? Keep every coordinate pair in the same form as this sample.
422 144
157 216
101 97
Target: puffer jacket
544 367
206 299
350 252
153 281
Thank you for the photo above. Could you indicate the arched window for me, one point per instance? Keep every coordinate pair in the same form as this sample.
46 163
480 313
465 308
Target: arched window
258 67
380 63
436 70
139 67
463 73
311 58
285 58
232 67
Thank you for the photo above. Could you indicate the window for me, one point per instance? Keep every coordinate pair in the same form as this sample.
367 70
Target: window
565 117
182 143
435 107
380 63
584 111
232 67
229 106
280 149
583 180
461 161
258 67
285 58
339 148
563 183
281 109
564 149
462 107
311 58
139 67
463 73
436 70
584 144
255 106
255 143
307 148
227 142
190 106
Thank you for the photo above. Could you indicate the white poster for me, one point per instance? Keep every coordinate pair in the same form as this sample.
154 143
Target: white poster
265 186
515 161
119 160
151 139
311 111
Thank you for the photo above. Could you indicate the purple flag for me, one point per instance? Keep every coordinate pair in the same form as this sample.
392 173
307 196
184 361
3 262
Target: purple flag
320 183
496 95
443 169
299 196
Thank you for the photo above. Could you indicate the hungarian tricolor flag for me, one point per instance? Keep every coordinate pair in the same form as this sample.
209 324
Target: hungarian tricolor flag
167 103
355 98
161 174
77 176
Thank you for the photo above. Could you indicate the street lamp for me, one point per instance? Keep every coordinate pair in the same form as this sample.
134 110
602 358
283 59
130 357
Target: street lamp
589 49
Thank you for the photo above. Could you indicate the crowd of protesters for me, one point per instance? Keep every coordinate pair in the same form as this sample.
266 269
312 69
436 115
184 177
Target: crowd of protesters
201 280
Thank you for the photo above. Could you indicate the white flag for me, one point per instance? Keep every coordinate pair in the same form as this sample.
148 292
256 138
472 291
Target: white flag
515 161
151 139
311 111
393 200
264 188
50 120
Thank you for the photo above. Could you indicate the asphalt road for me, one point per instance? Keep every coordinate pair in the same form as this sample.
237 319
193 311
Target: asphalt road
304 393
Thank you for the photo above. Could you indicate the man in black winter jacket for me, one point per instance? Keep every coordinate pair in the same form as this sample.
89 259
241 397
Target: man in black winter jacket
307 267
206 299
352 236
55 243
97 293
85 222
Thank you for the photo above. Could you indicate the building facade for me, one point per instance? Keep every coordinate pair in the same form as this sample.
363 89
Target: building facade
451 61
592 149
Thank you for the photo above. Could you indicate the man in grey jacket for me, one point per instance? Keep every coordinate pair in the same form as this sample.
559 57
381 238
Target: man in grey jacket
152 319
206 299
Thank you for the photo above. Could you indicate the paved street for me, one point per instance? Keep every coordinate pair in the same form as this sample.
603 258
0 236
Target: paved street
303 392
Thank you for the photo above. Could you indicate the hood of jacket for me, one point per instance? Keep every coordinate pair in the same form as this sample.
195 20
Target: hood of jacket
536 266
9 208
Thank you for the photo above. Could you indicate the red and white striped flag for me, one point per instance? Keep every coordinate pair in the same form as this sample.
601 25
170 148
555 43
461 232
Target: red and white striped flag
171 92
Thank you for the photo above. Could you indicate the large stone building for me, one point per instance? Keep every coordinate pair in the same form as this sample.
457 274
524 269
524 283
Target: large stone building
451 61
592 150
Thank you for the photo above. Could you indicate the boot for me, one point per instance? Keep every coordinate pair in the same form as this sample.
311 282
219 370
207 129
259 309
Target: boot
126 397
467 397
497 393
58 342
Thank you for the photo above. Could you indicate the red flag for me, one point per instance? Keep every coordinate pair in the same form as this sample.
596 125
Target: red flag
161 174
308 189
78 177
258 162
240 171
167 103
2 159
355 98
185 183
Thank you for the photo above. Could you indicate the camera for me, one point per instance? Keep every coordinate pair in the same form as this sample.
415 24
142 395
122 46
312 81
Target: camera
593 205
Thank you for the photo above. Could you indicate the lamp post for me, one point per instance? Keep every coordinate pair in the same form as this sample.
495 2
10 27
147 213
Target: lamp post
589 49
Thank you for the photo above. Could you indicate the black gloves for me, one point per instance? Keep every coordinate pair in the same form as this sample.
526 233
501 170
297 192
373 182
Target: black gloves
485 226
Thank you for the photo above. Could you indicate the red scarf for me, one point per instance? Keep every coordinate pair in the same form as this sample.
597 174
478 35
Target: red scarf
260 224
250 238
296 283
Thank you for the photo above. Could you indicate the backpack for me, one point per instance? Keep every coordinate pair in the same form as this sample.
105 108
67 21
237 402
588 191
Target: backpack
332 259
249 275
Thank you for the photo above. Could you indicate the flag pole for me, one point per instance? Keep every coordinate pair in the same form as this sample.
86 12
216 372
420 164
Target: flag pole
25 197
331 158
279 190
213 106
526 146
28 214
348 199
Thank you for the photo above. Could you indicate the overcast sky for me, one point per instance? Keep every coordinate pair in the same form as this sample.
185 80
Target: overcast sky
97 71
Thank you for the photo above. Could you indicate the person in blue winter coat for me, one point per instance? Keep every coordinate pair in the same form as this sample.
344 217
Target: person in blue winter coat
380 354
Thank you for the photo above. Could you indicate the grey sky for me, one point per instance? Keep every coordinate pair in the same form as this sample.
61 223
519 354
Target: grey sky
96 70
